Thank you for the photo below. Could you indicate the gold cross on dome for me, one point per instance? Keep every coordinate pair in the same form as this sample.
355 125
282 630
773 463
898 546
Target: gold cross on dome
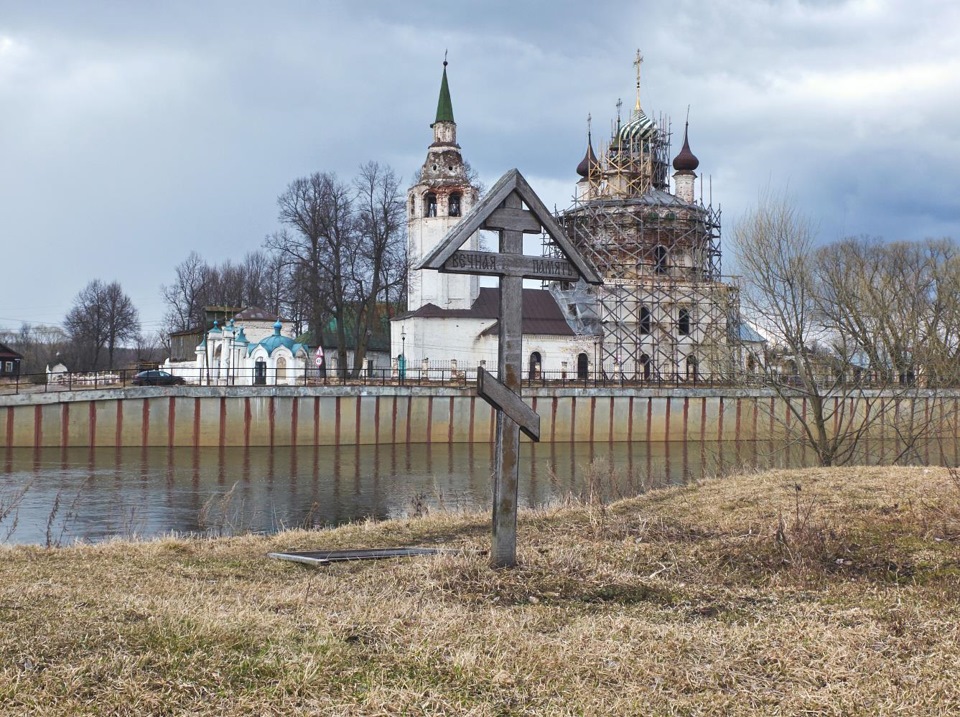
637 63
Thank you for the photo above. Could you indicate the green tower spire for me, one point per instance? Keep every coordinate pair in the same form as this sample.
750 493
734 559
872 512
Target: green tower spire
444 105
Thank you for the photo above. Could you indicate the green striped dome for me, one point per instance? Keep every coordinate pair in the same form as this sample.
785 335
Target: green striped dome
639 128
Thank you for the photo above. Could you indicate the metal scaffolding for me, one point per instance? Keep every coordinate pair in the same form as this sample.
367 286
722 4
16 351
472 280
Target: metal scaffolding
664 311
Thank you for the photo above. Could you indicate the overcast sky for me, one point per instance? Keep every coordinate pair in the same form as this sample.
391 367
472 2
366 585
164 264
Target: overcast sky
132 133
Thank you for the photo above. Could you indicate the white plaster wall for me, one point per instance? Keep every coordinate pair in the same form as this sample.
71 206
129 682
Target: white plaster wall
444 340
256 331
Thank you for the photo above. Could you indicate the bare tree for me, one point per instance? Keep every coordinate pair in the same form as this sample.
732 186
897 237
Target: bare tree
344 249
381 256
186 296
319 211
103 316
774 249
896 304
251 282
823 310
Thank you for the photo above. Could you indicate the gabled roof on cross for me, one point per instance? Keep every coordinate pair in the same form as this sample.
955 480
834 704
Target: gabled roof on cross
510 183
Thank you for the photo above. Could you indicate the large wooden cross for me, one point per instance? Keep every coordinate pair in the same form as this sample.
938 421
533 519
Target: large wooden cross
502 210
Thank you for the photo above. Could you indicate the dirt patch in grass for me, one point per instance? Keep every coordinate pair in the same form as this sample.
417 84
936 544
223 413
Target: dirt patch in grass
791 592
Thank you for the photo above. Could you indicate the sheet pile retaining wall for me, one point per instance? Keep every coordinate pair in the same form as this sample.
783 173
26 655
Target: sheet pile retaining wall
247 416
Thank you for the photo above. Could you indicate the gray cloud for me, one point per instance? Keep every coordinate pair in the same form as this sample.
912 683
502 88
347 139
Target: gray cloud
132 134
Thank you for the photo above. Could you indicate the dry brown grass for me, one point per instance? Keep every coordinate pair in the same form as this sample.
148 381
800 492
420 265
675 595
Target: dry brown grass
736 596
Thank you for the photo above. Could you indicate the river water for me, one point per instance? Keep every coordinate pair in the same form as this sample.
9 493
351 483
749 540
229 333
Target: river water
57 496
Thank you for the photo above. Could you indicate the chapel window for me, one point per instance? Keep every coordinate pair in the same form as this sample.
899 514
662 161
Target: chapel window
453 206
431 200
683 322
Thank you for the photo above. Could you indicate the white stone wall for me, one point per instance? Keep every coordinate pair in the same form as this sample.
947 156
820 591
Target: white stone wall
256 331
441 341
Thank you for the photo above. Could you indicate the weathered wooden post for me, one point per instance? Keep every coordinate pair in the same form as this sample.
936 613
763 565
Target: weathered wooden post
502 210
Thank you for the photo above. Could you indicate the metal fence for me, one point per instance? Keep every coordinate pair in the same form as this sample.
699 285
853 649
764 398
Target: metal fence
370 376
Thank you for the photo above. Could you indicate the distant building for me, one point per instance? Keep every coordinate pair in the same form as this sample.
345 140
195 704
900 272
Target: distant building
249 348
10 362
183 344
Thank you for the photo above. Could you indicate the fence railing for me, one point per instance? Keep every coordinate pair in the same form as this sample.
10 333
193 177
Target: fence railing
380 376
432 374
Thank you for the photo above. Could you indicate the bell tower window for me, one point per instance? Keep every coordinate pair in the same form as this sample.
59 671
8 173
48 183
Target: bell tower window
453 205
431 204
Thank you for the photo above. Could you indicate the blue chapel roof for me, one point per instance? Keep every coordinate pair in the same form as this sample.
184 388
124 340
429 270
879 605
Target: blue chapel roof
272 343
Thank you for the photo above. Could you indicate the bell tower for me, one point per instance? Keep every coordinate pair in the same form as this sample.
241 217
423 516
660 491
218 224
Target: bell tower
442 195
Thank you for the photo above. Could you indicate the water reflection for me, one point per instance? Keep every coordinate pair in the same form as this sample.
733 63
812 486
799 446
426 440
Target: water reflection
55 496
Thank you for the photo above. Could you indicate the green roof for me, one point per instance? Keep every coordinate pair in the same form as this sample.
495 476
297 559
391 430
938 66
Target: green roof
444 104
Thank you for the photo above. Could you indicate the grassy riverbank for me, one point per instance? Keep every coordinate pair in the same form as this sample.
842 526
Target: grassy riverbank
817 591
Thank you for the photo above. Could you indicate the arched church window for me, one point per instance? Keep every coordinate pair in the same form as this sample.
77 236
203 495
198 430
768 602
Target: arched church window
431 201
644 320
645 367
660 259
413 206
683 322
453 205
692 368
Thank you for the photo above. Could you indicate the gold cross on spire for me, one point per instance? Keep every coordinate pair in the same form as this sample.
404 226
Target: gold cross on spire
637 63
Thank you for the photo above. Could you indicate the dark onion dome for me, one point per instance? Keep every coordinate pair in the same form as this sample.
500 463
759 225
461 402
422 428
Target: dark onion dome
589 161
686 161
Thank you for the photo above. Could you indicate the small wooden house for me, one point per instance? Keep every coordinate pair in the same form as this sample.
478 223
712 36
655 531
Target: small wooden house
9 362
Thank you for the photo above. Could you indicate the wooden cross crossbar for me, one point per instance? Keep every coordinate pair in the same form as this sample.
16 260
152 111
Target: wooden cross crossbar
503 399
488 263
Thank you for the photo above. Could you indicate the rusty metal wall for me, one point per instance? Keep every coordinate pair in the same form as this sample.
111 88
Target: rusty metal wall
248 416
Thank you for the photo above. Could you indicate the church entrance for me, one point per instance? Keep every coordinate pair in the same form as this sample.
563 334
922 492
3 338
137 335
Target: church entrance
583 367
260 373
535 361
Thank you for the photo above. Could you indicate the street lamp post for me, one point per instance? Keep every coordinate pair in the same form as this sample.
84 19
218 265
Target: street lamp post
402 363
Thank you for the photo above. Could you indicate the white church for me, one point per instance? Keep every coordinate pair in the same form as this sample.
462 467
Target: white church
663 311
252 348
450 319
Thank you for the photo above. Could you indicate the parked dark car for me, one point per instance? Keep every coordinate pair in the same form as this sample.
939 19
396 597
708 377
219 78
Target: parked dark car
157 378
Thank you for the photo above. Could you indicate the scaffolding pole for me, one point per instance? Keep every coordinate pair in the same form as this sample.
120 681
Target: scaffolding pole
664 311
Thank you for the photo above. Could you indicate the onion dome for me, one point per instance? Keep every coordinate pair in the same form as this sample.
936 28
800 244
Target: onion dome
589 162
686 161
640 128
